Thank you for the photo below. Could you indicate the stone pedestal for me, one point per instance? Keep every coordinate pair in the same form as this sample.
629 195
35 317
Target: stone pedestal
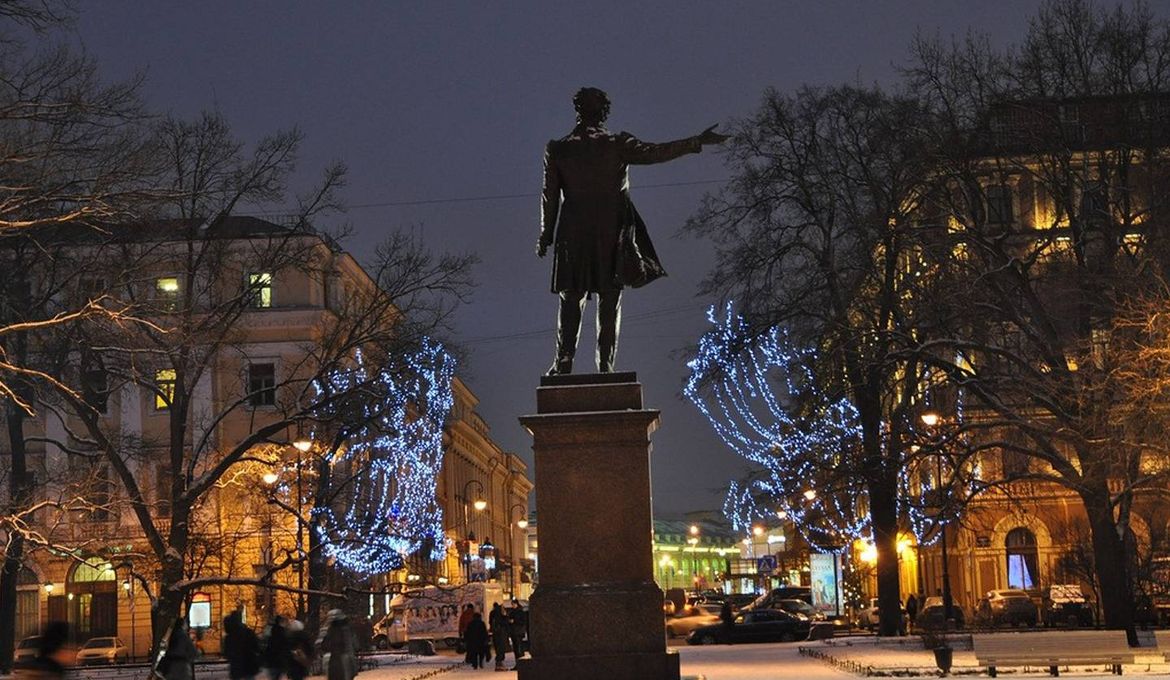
596 612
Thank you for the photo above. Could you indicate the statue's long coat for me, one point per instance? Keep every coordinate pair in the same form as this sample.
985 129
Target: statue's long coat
600 240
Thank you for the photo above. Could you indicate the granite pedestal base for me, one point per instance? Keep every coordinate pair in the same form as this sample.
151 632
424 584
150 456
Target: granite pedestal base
597 612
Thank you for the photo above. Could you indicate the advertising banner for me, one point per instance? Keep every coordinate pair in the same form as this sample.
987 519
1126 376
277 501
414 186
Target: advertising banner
825 573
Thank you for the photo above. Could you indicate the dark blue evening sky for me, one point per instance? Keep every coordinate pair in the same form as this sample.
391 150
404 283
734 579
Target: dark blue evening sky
437 100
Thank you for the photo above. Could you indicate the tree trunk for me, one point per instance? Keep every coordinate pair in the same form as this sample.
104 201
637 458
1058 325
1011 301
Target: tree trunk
14 556
317 567
883 512
1111 558
883 501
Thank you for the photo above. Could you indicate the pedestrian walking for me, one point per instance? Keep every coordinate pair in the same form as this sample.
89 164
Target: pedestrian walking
49 663
300 651
912 608
464 619
241 648
339 645
476 638
179 661
518 629
501 631
275 656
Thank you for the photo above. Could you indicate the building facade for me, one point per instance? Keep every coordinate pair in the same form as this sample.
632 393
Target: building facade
91 564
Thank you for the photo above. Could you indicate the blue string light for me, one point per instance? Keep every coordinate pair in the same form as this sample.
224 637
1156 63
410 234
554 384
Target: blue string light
394 455
761 398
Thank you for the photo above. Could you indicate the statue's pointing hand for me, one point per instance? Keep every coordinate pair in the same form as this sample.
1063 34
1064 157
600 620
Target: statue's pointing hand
709 136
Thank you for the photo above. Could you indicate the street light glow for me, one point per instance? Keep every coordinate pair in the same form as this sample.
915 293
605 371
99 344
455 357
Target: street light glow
930 419
270 477
480 504
694 530
782 514
522 523
303 444
757 530
810 494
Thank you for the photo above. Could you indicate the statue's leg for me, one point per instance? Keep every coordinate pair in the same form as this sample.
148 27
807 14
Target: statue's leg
568 329
609 321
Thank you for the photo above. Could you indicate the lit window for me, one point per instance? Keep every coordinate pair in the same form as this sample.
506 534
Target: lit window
166 291
260 289
1022 561
262 384
164 379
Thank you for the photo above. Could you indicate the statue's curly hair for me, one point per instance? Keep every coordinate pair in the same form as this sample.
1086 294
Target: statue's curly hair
591 102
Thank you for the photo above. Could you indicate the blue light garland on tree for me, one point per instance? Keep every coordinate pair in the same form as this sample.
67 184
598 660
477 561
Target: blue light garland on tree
761 398
394 454
760 395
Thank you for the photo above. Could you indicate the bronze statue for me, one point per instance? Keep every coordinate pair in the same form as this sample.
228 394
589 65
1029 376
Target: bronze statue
600 243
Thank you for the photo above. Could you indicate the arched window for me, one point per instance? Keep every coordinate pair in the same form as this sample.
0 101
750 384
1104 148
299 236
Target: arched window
1022 562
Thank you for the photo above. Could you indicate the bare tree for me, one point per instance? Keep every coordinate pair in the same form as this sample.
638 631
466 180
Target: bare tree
197 276
1049 171
815 235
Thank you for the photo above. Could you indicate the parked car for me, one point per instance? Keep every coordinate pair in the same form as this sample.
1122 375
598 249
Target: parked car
769 599
1065 605
800 608
741 600
867 616
1006 608
692 617
932 615
99 650
26 650
757 625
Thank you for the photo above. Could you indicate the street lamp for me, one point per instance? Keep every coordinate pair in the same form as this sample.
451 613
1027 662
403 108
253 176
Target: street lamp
303 441
693 540
521 524
810 494
270 477
931 419
49 587
479 504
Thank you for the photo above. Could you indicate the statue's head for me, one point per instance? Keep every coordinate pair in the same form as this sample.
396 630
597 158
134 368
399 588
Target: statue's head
592 105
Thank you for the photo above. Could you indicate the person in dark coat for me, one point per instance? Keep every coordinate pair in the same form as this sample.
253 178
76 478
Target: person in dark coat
276 650
912 608
517 628
339 642
179 661
476 638
300 650
500 633
726 615
599 241
241 648
49 663
464 619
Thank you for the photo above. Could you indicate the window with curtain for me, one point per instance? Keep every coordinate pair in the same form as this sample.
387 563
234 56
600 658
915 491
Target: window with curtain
1022 560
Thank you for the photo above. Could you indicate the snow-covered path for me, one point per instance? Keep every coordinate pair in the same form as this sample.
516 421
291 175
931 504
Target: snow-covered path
718 662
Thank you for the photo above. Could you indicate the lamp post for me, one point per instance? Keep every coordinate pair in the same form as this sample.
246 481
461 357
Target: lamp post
479 504
521 524
303 444
930 420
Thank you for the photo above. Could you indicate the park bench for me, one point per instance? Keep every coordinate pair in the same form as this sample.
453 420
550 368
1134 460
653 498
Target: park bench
1066 648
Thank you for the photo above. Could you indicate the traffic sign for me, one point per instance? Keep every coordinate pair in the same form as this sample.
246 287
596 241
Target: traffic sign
766 564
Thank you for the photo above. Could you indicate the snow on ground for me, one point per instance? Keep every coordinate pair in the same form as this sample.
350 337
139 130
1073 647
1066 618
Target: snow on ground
905 656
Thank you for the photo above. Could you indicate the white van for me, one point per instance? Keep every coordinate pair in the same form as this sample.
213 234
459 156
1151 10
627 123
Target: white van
432 613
